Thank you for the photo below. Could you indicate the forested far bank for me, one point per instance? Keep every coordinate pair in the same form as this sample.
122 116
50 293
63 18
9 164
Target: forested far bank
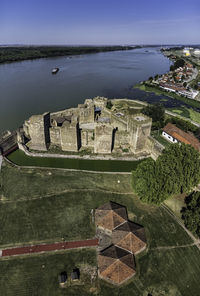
20 53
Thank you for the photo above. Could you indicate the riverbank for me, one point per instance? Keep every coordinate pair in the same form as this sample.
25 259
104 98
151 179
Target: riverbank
159 91
15 54
189 110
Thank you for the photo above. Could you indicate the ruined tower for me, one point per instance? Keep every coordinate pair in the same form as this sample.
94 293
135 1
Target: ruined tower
37 130
139 129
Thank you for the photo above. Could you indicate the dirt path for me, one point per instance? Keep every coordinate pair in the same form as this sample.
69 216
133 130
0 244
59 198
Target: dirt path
176 247
48 247
66 191
196 241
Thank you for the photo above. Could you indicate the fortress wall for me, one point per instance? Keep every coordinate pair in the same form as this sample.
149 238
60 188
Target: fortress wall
86 114
142 134
69 135
121 140
55 136
37 128
87 138
103 138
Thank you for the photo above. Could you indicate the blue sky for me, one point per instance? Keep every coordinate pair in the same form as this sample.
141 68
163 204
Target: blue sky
99 22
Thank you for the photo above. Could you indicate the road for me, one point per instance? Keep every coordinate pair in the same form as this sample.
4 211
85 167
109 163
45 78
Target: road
184 118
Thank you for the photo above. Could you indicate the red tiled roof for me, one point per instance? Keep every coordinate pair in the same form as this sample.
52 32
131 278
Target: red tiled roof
181 136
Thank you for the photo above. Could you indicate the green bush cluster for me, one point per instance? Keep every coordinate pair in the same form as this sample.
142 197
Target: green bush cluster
157 113
191 213
176 170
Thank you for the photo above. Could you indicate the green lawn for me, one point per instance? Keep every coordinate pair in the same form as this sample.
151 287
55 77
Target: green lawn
25 183
38 275
170 272
157 134
186 112
21 159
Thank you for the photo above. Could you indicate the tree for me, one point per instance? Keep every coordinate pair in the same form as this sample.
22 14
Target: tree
176 170
109 104
150 78
145 182
191 213
157 113
156 76
185 84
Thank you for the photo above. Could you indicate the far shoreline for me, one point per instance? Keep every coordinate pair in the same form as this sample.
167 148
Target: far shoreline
11 54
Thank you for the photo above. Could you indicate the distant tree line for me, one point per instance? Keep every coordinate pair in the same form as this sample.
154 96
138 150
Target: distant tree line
176 170
191 213
12 54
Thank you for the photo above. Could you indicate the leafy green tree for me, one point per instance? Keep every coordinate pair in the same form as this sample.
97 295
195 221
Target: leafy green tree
176 170
191 213
156 76
157 113
182 124
145 182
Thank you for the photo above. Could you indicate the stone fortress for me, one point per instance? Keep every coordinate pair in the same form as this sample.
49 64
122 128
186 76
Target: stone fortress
94 126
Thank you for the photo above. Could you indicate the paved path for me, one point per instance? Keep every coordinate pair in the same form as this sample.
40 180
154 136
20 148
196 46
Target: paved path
1 159
48 247
181 117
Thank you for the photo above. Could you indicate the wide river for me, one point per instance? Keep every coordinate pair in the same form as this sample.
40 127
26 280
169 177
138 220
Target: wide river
28 87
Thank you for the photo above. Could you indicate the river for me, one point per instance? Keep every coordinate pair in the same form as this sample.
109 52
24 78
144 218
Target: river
28 87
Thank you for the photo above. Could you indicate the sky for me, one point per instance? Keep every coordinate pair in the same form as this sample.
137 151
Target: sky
98 22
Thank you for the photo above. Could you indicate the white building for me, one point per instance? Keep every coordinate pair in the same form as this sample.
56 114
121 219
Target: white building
197 52
175 135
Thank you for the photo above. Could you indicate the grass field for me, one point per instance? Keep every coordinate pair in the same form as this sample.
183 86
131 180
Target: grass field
20 158
157 135
38 275
25 184
187 112
171 271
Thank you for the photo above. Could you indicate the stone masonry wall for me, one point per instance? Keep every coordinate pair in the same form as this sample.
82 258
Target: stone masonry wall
37 129
103 138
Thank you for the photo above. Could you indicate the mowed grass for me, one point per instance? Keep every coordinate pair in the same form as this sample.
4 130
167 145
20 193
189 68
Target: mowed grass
172 271
168 272
23 183
38 275
187 113
69 216
20 158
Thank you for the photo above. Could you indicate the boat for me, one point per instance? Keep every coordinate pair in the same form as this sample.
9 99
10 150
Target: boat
55 70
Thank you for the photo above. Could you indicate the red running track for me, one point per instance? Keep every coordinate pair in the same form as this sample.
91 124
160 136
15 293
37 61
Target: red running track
49 247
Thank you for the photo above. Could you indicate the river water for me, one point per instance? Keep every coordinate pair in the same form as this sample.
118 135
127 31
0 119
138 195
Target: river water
28 87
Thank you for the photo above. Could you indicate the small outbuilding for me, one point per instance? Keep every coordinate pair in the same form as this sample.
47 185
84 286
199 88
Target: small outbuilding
75 275
62 277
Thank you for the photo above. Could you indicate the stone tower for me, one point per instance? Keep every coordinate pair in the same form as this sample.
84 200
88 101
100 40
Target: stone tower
139 129
37 129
